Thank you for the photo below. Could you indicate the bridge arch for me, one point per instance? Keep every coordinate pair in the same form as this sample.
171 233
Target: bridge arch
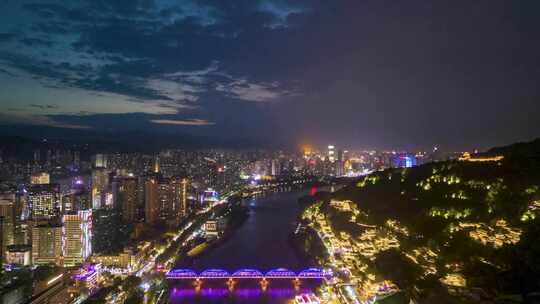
247 273
280 273
214 273
313 273
181 274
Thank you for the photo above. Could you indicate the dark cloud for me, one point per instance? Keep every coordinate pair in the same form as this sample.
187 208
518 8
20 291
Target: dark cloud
37 42
38 69
375 71
43 107
52 27
141 42
8 73
6 37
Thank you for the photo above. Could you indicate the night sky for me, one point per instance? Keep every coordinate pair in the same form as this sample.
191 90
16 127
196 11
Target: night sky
366 74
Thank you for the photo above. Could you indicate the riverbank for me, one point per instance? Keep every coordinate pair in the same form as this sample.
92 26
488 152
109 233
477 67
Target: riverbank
307 246
305 241
236 217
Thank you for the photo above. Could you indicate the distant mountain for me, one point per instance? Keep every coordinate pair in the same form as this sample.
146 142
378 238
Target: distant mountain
111 141
523 149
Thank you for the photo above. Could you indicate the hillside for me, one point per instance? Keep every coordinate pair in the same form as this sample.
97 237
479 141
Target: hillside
460 231
526 149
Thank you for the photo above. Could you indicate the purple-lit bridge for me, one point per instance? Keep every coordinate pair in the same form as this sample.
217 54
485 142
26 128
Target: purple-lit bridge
279 273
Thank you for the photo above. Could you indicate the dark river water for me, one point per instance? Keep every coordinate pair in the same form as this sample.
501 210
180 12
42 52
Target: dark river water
262 243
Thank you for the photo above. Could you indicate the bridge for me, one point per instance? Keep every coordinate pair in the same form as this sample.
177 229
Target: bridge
248 273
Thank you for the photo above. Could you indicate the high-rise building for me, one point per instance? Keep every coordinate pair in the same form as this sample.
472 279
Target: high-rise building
179 210
100 161
40 178
46 243
156 169
339 168
1 240
76 237
44 200
151 208
18 210
275 167
49 158
108 233
340 155
404 160
100 187
37 156
76 199
140 211
7 213
126 190
331 153
165 199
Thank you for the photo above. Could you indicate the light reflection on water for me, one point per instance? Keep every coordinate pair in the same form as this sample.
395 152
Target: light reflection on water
238 295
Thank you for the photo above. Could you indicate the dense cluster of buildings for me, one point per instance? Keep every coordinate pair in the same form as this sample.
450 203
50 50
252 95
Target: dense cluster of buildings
334 161
95 204
59 210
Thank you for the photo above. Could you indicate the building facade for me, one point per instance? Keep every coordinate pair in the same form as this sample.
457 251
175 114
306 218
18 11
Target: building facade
76 237
40 178
44 201
46 244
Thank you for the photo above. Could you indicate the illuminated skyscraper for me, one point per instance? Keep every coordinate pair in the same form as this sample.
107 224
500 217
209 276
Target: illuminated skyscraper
156 168
46 244
100 187
40 178
404 160
151 209
165 199
1 240
275 167
127 198
100 161
331 153
7 213
108 233
76 199
44 200
340 163
76 237
179 187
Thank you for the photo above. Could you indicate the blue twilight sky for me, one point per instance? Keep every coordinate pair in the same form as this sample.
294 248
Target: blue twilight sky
362 73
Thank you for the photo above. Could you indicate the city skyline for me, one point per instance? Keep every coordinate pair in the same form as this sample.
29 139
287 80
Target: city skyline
269 151
365 74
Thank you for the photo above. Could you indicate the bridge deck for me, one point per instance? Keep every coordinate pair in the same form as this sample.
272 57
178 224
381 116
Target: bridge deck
279 273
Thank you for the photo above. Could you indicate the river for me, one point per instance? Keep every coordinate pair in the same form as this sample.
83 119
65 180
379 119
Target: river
262 242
